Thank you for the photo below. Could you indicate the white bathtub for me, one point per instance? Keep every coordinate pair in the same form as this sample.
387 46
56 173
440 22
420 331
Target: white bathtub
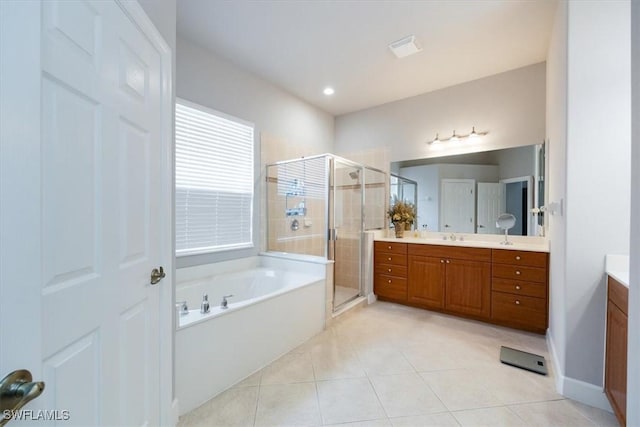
278 304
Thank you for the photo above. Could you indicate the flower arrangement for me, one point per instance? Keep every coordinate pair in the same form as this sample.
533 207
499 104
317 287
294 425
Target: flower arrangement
401 211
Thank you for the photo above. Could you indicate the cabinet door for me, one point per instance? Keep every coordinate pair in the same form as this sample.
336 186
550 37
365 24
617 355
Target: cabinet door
425 283
615 382
468 287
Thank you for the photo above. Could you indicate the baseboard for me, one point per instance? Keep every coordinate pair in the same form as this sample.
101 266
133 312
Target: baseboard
371 298
571 388
175 412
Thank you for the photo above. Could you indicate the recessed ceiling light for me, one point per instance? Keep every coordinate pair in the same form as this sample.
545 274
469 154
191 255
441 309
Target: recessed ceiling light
405 46
328 91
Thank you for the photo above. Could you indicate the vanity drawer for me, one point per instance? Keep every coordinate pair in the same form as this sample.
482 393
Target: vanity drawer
519 310
390 287
526 258
389 258
450 252
518 287
391 270
391 247
529 274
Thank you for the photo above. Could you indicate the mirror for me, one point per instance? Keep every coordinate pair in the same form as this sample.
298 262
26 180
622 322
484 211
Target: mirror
466 193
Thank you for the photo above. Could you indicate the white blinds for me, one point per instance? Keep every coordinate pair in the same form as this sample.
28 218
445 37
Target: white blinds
214 181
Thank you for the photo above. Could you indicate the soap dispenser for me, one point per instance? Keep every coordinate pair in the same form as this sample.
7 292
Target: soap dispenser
204 307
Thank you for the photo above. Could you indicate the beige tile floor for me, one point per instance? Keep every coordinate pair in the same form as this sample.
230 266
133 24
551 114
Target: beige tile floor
390 365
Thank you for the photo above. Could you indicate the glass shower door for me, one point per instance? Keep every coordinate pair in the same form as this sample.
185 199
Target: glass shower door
345 247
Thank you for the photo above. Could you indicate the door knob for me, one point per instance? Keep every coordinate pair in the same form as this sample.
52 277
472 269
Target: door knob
157 275
16 390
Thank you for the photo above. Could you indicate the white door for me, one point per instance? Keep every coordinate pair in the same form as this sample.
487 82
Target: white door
85 209
491 203
458 206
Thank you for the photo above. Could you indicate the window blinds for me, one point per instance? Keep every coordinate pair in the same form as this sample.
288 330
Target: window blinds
214 181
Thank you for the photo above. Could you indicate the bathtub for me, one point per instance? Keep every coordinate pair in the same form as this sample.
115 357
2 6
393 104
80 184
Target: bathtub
278 303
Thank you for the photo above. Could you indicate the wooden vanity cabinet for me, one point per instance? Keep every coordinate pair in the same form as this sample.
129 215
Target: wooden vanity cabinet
519 289
615 376
390 271
452 279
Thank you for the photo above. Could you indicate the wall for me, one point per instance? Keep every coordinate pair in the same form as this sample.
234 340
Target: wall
556 159
517 162
510 105
633 377
286 126
597 88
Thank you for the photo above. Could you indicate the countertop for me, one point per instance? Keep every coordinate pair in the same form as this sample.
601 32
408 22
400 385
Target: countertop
617 266
520 243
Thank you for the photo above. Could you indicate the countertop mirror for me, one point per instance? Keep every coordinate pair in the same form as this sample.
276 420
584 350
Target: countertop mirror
466 193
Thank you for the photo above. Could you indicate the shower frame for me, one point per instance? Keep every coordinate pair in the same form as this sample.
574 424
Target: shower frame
330 213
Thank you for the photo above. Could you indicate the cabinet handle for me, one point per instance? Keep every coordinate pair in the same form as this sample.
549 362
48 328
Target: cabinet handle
448 262
517 302
517 257
389 270
389 280
388 247
389 258
517 286
442 261
517 272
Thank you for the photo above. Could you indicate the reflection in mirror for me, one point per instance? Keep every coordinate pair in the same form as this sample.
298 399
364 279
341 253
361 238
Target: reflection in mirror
405 189
466 193
506 222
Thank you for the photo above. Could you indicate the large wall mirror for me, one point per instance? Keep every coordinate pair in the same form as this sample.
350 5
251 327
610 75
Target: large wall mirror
466 193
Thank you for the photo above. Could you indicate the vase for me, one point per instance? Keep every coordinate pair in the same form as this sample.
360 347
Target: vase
399 227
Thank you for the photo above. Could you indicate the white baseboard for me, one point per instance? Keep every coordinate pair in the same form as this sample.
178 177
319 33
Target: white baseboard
175 412
371 298
571 388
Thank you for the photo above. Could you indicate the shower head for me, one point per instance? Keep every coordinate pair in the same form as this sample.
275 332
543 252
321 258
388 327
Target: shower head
354 174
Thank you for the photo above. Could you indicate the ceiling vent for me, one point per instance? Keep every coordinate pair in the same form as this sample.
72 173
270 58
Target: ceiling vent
405 46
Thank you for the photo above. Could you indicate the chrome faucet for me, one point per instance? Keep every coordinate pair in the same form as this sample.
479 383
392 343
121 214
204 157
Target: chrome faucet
183 307
224 304
452 237
204 307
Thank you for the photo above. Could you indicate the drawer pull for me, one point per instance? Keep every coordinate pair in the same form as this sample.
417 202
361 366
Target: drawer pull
517 257
517 286
518 272
389 270
389 258
448 262
442 261
389 280
388 247
517 302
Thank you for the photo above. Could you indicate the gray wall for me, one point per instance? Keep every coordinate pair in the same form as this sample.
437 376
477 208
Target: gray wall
595 84
633 383
510 105
517 162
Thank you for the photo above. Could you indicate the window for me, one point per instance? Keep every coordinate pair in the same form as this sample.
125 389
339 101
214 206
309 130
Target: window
214 181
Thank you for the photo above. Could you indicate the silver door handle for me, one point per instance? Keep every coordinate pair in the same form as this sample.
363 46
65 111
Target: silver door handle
157 275
16 390
480 226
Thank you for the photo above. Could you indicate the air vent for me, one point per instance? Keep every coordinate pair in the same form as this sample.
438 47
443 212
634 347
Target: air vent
405 46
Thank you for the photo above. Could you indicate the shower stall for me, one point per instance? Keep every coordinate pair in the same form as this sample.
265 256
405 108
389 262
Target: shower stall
321 205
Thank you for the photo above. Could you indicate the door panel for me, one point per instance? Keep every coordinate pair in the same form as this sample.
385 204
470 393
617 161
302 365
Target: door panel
458 206
426 281
468 287
89 200
491 203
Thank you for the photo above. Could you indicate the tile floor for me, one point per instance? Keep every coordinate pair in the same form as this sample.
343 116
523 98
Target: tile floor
390 365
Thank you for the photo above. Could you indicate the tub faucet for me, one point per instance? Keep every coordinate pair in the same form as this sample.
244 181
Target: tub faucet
224 304
204 307
183 307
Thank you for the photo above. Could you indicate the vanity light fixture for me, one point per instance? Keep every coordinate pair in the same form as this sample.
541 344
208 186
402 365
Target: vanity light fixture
456 137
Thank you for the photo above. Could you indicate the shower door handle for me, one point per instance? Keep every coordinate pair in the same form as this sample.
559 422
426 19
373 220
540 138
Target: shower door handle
333 234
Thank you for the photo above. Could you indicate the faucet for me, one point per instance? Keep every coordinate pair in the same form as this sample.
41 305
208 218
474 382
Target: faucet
224 304
452 237
204 307
183 307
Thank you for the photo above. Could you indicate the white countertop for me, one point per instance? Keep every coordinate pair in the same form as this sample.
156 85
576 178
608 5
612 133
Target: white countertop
520 243
617 266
